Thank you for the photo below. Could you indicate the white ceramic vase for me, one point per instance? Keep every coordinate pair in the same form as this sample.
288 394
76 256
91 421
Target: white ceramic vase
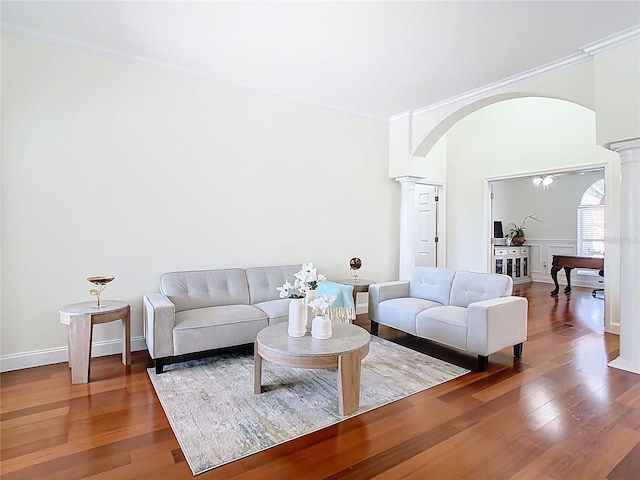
321 327
311 295
297 318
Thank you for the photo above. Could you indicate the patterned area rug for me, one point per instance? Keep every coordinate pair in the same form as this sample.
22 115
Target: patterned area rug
217 418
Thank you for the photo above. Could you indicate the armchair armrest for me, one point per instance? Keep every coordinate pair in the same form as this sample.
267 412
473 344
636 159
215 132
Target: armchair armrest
379 292
496 324
159 318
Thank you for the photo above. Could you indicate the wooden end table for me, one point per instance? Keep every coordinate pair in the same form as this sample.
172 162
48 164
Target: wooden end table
358 284
346 348
81 317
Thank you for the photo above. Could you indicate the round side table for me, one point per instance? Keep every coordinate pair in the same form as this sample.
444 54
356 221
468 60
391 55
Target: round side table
81 317
359 285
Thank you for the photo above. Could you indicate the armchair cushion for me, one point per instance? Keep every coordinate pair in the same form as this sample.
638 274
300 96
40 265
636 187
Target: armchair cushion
447 324
401 312
469 287
432 284
277 310
217 327
205 288
263 281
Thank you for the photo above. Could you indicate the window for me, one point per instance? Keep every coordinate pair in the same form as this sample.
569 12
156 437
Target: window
591 222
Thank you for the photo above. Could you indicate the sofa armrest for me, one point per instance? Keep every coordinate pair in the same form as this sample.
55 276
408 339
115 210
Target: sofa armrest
496 324
159 318
379 292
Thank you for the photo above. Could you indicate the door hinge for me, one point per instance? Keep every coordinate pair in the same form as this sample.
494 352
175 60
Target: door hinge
436 239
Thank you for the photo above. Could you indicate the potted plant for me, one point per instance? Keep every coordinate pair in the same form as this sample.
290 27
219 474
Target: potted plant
516 233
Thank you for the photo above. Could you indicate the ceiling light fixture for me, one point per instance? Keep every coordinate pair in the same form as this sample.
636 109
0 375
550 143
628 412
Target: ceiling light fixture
544 181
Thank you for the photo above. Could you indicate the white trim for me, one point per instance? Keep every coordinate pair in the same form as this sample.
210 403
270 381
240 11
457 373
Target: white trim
586 52
64 42
506 82
612 40
48 356
624 364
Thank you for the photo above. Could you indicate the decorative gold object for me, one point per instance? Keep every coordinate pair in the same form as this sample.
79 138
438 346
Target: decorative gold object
354 264
102 284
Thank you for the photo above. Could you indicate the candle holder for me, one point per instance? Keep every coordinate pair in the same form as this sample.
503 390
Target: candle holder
354 264
101 282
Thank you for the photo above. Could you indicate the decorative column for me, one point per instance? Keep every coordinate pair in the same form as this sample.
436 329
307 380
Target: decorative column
629 358
407 260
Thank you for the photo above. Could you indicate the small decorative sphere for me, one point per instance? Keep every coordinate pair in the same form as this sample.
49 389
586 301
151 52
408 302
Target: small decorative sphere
355 263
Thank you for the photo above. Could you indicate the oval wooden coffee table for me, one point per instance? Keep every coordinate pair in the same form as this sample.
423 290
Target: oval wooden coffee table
346 348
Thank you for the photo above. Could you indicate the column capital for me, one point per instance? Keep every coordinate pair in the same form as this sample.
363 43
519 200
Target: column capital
625 145
408 180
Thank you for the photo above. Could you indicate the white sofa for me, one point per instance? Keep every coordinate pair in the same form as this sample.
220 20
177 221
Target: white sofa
200 311
474 312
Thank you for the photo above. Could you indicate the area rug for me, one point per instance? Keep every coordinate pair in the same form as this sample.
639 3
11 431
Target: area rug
217 418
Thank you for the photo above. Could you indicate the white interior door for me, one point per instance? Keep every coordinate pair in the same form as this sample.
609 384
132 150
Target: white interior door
426 226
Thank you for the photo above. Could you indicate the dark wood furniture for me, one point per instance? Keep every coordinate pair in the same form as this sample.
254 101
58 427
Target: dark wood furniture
358 284
569 262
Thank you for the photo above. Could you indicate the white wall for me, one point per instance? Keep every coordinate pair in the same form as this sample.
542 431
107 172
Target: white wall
112 168
425 127
617 81
556 207
507 139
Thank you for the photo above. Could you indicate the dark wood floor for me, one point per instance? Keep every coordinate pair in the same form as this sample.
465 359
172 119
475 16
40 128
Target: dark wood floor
558 413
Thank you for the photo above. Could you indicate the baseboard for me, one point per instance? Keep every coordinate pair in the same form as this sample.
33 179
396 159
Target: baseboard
38 358
362 308
562 280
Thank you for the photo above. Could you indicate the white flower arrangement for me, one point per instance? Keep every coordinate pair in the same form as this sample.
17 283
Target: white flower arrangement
309 275
306 279
321 304
297 290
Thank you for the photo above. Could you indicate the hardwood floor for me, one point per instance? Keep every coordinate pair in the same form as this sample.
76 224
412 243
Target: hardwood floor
558 413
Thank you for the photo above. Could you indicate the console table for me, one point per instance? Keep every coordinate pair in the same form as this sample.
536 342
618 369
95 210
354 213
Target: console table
569 262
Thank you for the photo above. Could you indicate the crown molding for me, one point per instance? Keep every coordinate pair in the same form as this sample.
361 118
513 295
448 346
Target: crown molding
104 52
491 87
612 40
585 53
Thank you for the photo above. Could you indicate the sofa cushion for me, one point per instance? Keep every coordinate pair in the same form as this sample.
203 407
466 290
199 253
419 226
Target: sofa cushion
277 310
431 283
205 288
216 327
401 313
446 325
263 281
469 287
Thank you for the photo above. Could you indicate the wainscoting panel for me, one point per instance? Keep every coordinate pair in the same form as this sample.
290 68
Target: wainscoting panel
535 262
541 252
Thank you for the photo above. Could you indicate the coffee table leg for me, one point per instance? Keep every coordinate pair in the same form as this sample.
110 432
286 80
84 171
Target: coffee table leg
257 370
348 383
80 333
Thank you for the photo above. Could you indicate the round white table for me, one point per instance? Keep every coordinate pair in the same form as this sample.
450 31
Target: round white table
346 348
81 317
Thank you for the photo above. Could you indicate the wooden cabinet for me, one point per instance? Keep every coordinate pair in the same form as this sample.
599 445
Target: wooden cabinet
512 261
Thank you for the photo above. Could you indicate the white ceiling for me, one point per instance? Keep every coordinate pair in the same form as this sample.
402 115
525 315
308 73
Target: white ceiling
376 58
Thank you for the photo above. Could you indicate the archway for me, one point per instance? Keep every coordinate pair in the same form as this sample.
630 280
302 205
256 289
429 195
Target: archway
509 136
